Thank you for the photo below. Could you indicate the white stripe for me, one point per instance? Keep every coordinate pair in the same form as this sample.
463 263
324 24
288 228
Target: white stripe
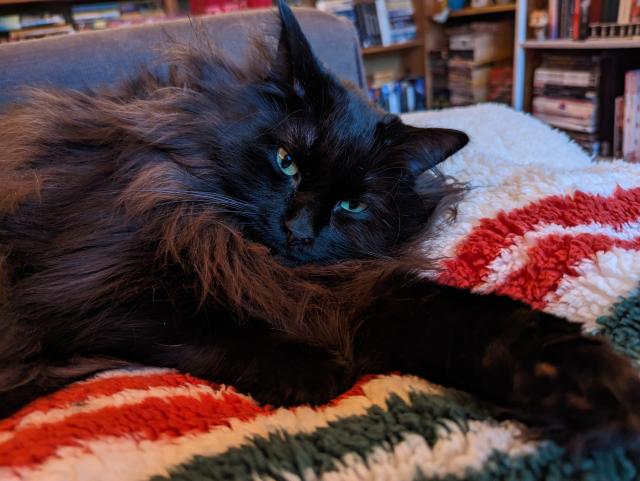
600 283
129 459
512 258
129 372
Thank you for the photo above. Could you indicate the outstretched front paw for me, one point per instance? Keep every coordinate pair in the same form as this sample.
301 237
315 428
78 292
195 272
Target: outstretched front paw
314 378
580 393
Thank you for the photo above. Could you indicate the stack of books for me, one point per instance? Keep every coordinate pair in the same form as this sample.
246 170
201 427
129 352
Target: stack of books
378 22
579 19
500 84
439 65
474 49
397 95
565 95
33 25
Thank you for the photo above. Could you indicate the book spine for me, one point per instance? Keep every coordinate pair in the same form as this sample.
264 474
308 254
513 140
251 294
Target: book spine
631 144
553 18
575 21
618 127
383 22
613 11
595 11
624 12
579 109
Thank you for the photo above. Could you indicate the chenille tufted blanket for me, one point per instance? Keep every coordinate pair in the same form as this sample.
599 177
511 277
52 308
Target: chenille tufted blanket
540 223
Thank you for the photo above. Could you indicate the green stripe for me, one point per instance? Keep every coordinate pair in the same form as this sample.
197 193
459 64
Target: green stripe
622 326
322 450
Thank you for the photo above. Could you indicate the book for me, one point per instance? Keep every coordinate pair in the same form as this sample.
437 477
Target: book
568 123
631 139
574 78
624 12
41 19
577 109
554 15
618 127
595 11
39 32
382 15
563 91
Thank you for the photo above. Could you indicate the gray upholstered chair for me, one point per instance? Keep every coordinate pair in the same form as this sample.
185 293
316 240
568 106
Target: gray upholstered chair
94 58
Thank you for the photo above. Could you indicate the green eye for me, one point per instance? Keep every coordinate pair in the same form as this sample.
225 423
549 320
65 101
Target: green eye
353 206
285 162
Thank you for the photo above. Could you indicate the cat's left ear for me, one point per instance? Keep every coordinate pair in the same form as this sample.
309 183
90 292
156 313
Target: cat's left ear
424 148
295 62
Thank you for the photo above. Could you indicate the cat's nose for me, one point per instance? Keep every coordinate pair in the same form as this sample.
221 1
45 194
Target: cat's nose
300 228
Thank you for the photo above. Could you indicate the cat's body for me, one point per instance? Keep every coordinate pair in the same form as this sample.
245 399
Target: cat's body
256 228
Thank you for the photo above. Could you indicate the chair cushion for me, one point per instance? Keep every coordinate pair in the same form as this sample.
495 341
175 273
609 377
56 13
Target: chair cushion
90 59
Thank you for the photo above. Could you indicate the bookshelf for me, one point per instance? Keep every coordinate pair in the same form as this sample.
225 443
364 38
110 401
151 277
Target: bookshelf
527 52
438 42
171 8
391 48
612 57
393 41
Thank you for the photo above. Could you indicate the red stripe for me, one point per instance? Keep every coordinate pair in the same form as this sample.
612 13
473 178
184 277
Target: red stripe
81 391
480 248
150 419
553 258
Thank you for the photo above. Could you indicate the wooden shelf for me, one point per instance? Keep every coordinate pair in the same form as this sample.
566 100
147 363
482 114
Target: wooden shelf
603 44
469 12
391 48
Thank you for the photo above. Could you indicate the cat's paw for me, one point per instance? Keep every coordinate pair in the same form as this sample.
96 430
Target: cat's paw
314 380
581 394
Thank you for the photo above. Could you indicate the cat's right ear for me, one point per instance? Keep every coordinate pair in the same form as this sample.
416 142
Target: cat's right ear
422 149
295 63
427 147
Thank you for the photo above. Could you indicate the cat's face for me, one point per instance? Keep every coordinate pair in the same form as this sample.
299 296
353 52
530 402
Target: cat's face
322 174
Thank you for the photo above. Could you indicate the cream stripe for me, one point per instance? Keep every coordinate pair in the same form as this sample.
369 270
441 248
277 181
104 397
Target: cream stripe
128 459
134 372
600 283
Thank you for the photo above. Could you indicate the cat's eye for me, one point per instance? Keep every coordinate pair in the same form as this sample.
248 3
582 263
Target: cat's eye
286 163
352 206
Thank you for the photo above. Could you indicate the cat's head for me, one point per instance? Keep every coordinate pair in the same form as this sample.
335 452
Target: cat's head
307 165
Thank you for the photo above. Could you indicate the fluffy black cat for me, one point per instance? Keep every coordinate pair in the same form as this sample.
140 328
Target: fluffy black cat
257 227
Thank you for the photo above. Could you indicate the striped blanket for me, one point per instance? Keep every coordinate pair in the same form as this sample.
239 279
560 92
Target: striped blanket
540 223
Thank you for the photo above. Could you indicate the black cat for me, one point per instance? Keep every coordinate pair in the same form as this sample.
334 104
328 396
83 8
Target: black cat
257 227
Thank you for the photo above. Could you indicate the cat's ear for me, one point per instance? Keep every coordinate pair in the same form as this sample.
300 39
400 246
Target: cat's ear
424 148
295 62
